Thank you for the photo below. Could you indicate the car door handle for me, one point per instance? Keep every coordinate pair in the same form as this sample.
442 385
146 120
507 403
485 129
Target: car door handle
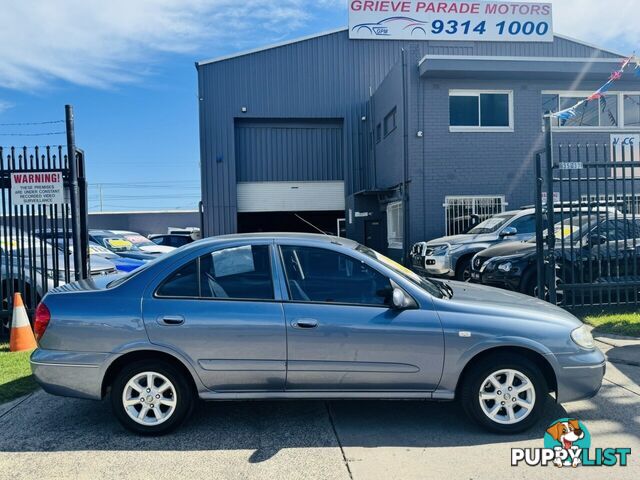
171 320
305 323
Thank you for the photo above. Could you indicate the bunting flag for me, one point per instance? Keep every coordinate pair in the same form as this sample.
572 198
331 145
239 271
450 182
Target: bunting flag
571 112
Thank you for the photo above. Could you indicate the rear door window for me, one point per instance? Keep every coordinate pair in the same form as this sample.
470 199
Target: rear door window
238 273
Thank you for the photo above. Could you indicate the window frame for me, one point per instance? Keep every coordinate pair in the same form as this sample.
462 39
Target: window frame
619 94
176 269
289 298
392 115
395 242
480 128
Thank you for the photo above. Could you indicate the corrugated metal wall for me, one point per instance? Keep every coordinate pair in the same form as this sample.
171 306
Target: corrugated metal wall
328 76
289 151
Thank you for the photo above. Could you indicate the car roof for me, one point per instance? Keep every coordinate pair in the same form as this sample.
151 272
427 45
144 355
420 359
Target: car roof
280 236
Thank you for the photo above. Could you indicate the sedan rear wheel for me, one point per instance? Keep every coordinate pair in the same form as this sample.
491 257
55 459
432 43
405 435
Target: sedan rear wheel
504 393
151 397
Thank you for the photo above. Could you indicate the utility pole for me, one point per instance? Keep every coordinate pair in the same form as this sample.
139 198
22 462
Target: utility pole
76 224
100 193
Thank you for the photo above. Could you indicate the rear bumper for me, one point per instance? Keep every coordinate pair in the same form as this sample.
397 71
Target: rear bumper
580 376
69 374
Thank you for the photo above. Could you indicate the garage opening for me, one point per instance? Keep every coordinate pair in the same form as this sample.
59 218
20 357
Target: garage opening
299 222
290 175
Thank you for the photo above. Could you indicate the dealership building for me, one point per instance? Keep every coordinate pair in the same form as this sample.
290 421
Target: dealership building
391 142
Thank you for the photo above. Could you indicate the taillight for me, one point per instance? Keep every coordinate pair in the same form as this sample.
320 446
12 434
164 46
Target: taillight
43 317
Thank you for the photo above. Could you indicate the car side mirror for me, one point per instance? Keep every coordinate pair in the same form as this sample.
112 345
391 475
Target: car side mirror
400 300
509 232
595 240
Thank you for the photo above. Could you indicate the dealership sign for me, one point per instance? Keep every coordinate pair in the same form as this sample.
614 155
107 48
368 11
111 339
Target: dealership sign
473 21
37 188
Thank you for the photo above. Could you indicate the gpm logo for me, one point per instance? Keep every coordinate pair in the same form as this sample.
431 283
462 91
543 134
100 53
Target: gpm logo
567 443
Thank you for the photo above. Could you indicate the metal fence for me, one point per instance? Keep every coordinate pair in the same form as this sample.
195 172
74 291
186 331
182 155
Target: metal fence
592 254
40 243
465 212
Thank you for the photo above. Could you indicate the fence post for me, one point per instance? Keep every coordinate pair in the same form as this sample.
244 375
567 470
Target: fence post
539 229
84 212
550 277
75 193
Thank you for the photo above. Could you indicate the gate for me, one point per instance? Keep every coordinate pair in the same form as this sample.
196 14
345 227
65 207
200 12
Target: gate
42 245
591 256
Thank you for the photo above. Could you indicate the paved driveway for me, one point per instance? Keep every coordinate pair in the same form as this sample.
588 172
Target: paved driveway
50 437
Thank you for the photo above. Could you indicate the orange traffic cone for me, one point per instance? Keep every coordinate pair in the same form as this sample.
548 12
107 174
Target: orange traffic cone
21 334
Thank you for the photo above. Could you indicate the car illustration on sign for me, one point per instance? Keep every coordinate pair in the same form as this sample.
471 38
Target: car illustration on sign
381 28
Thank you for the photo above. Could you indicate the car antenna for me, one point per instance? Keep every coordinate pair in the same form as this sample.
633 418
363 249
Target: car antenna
312 225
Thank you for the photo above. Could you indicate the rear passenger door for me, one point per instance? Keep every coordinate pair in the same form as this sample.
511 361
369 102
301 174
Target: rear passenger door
222 311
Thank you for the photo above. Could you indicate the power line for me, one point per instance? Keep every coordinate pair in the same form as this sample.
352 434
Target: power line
31 134
22 124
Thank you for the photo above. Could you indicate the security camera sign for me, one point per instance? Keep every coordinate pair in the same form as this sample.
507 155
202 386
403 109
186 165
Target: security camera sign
495 21
37 188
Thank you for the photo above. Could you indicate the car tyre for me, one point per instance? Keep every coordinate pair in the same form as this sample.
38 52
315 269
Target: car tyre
482 391
463 270
151 397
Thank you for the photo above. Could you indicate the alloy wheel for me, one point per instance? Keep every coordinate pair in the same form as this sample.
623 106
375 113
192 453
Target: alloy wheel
507 396
149 398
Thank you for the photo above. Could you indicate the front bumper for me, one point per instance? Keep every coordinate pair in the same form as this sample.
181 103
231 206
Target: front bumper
495 278
579 375
433 266
69 374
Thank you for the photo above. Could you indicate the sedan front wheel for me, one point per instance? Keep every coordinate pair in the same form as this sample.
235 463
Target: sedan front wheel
504 393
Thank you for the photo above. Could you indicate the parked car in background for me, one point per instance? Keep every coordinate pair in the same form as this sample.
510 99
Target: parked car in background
451 256
32 267
119 245
589 249
268 316
144 244
171 240
122 264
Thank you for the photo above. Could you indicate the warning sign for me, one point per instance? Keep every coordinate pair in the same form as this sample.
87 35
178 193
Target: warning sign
37 188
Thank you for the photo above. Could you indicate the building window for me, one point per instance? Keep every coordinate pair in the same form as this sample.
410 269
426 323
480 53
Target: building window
480 110
390 122
379 133
631 106
465 212
395 225
611 111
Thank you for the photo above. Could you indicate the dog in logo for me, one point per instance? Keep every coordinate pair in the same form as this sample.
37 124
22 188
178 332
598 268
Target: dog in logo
566 433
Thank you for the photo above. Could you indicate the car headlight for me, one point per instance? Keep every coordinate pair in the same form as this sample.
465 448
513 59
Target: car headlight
582 337
505 267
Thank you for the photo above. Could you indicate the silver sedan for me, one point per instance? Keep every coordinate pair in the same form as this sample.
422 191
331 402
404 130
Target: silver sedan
304 316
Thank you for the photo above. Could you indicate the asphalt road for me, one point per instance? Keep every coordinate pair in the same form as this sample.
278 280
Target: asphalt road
50 437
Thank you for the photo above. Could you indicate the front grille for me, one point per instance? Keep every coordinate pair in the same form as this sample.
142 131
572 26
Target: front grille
478 262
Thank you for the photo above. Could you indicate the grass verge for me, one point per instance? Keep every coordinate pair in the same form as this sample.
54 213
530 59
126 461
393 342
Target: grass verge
15 374
626 323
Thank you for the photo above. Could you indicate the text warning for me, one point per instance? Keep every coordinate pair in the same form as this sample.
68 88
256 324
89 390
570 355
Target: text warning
37 188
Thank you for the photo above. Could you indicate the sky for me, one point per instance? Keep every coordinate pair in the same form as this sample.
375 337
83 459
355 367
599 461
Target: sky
128 68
